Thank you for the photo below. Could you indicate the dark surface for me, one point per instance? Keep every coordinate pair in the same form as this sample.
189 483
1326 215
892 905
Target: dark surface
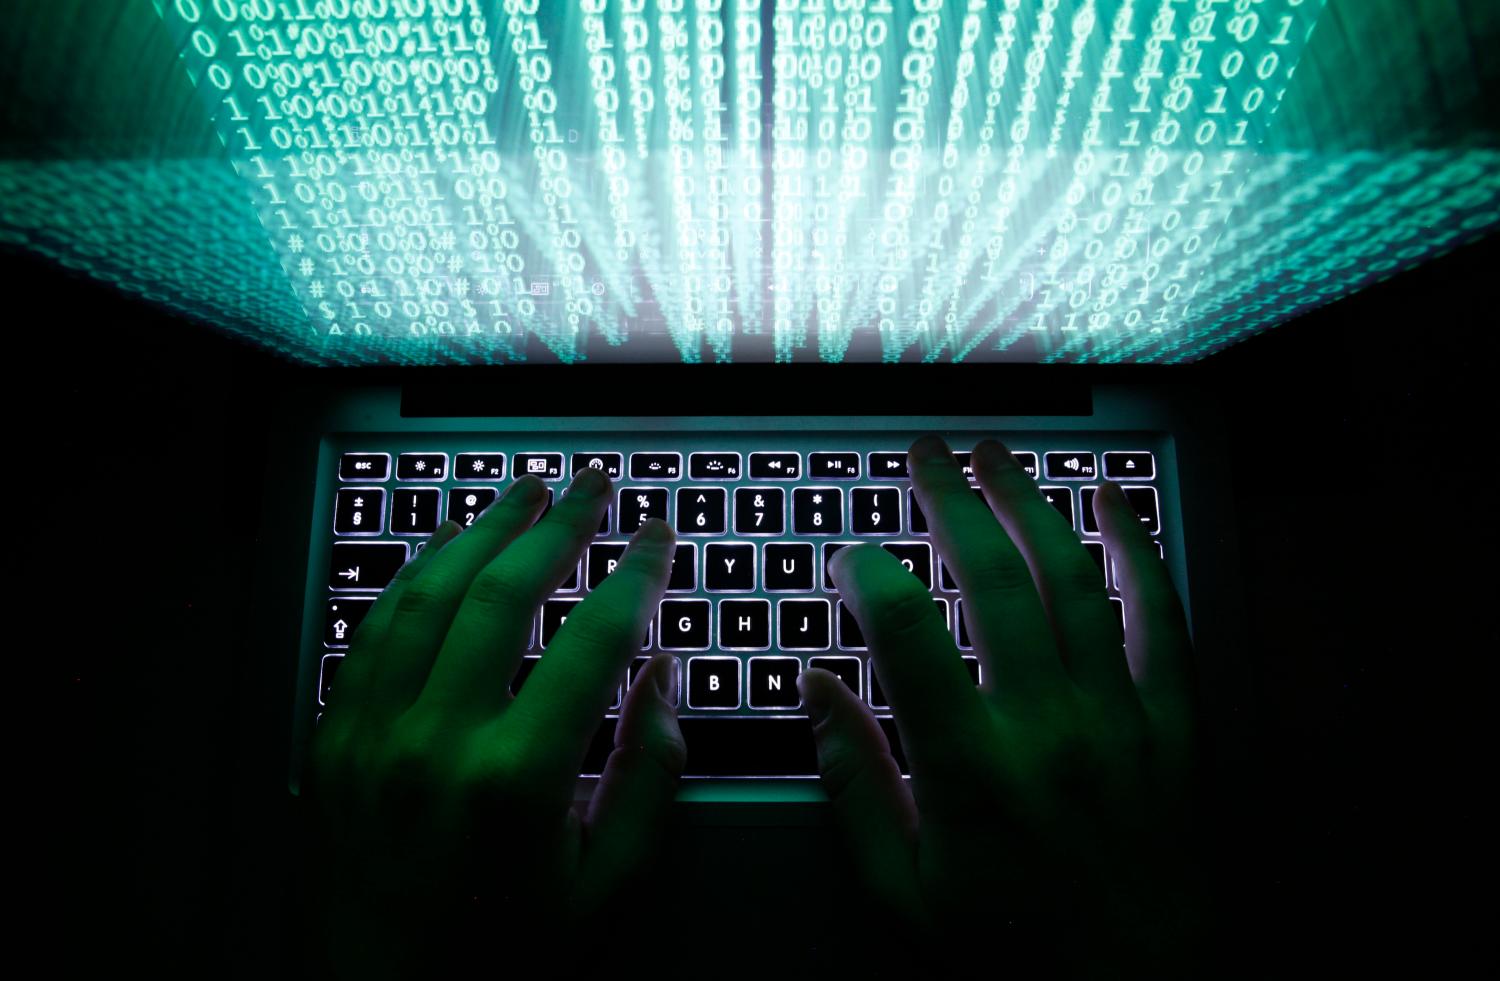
1363 562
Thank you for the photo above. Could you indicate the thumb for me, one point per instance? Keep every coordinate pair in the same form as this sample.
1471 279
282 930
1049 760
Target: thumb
872 806
631 804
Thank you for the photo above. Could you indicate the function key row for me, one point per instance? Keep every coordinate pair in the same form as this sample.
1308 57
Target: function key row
727 465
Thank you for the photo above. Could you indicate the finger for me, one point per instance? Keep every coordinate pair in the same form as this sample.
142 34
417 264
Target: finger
359 664
429 603
555 716
1004 615
635 792
872 806
939 713
1067 580
1157 644
477 648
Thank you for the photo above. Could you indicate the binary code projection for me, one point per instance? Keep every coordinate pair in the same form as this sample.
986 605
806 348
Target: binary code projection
474 181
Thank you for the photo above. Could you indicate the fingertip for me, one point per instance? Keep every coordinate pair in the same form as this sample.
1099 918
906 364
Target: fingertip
654 531
927 447
817 697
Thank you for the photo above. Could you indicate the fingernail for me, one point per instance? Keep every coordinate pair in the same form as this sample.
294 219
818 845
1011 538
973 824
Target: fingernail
654 530
814 699
527 490
931 447
590 482
666 678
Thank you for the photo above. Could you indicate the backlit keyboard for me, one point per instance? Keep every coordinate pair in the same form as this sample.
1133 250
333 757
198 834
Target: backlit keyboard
749 603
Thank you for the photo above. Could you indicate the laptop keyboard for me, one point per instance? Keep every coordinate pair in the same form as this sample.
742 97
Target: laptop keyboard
749 603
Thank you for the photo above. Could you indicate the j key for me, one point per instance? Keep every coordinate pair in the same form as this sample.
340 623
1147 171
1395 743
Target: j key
547 466
684 575
802 625
888 466
789 567
713 683
1027 460
365 466
916 556
327 671
636 504
639 664
422 466
714 466
1142 499
1070 466
817 511
700 510
877 695
364 566
963 626
554 615
613 464
466 504
775 466
345 614
358 511
745 625
603 559
414 510
829 548
1096 552
655 466
683 625
1129 466
972 664
850 670
833 466
1119 608
479 466
759 511
875 510
1061 499
773 683
728 567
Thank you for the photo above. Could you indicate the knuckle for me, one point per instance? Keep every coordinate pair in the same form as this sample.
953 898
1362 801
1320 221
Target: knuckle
995 569
900 606
503 588
420 596
595 623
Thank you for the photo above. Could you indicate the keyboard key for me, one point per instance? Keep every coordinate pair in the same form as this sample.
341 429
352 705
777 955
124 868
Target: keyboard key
422 466
729 567
479 466
1096 552
637 504
613 464
1119 607
942 606
714 466
745 625
466 504
966 464
875 510
603 558
945 578
918 519
713 683
877 694
888 466
1027 461
365 466
759 511
523 671
656 466
414 510
684 575
817 511
745 746
570 584
773 683
1142 499
328 669
775 466
850 638
789 567
964 642
833 466
345 613
548 466
639 664
701 510
829 548
1132 465
1061 499
1070 465
802 624
972 664
850 670
359 511
683 625
364 566
916 556
554 614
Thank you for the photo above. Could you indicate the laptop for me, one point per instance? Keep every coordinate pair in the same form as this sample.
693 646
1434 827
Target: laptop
738 256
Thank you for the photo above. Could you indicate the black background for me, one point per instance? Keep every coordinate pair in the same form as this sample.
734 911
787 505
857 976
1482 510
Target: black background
1361 456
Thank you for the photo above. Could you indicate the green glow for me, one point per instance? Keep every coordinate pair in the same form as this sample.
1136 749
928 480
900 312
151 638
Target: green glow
438 181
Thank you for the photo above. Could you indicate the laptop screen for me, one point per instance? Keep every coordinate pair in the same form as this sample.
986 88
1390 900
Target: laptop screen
419 182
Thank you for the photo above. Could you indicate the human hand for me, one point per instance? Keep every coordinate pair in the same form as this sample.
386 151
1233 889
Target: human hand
1053 803
439 800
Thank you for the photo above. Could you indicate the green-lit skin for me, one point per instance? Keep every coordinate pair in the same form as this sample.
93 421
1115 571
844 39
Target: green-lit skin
1051 806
